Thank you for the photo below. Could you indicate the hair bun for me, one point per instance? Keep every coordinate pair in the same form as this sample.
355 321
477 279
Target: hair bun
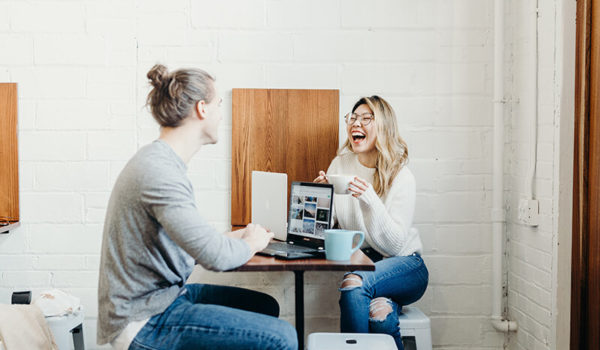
159 76
174 94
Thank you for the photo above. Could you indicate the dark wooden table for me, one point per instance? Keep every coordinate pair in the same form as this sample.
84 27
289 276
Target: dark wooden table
358 261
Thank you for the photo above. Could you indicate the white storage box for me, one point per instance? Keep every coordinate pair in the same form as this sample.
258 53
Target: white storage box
350 341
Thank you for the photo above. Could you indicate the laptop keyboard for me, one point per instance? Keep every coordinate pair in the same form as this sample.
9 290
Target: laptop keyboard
284 247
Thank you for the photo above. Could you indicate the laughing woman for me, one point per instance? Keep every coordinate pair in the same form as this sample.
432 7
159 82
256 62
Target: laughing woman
382 206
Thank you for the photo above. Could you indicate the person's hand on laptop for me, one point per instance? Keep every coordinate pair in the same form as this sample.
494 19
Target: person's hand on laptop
236 234
322 178
257 237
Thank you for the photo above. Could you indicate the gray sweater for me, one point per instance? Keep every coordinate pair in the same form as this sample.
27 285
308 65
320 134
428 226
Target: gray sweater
153 236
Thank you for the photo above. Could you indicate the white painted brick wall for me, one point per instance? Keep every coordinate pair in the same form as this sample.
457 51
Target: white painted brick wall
75 115
110 145
300 14
69 49
237 14
47 16
72 176
51 146
51 207
388 14
27 115
5 16
531 251
22 52
81 69
241 46
55 82
64 238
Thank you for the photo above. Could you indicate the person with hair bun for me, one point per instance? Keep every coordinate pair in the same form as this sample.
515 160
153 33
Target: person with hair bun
154 235
381 205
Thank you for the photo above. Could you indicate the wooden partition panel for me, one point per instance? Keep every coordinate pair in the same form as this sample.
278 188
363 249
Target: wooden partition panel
279 130
9 175
585 275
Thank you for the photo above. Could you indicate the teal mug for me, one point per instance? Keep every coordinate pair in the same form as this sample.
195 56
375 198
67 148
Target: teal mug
338 244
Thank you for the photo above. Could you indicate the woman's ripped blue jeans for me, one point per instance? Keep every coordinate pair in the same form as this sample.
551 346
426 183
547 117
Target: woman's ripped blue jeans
370 300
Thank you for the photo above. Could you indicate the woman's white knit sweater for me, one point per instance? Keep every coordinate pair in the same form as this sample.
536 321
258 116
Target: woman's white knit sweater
386 221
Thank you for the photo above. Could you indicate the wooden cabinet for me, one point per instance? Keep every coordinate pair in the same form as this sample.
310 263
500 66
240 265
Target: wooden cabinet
280 130
9 175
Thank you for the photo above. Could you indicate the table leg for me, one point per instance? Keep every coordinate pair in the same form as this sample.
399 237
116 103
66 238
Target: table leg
299 290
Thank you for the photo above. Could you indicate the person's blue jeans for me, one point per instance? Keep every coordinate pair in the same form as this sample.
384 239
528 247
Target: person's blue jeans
217 317
401 279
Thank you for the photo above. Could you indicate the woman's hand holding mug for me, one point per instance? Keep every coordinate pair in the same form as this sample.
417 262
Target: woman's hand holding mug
322 178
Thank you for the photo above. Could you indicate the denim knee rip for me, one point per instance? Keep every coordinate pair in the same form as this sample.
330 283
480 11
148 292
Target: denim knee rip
377 305
351 281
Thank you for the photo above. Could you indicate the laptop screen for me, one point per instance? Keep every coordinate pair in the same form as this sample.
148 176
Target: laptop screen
310 209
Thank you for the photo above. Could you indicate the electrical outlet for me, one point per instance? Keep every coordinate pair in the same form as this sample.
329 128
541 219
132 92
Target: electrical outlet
529 212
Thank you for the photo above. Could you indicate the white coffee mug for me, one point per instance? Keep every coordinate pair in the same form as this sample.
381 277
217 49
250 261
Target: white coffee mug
340 183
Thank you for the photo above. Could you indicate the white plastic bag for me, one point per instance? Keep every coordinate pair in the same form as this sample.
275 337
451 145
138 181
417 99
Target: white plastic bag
55 302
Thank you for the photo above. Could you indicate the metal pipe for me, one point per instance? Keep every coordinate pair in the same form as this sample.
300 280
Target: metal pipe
498 220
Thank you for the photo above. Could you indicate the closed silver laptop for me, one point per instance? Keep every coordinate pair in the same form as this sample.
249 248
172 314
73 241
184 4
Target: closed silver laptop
269 202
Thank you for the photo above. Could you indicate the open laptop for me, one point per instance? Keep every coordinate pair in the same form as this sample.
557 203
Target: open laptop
309 215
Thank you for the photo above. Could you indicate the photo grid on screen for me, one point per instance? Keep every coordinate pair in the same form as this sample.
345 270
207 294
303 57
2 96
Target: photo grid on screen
309 212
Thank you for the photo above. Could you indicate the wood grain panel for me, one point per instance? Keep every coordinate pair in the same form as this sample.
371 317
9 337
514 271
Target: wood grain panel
593 270
268 137
580 213
585 277
243 105
9 176
280 130
312 134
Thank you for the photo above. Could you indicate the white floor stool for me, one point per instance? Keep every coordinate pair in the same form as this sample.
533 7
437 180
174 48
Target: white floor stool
415 329
65 327
350 341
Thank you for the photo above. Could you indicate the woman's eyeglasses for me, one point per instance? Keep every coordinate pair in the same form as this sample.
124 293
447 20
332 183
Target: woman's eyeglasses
364 119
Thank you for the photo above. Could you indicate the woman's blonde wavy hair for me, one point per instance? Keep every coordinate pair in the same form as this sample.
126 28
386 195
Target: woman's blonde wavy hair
392 152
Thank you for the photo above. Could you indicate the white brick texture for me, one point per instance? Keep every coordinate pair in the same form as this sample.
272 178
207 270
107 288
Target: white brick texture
81 68
4 16
50 82
70 49
238 14
303 14
48 16
531 250
52 146
75 115
21 49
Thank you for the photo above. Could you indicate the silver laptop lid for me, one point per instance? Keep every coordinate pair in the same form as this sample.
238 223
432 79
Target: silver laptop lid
269 202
